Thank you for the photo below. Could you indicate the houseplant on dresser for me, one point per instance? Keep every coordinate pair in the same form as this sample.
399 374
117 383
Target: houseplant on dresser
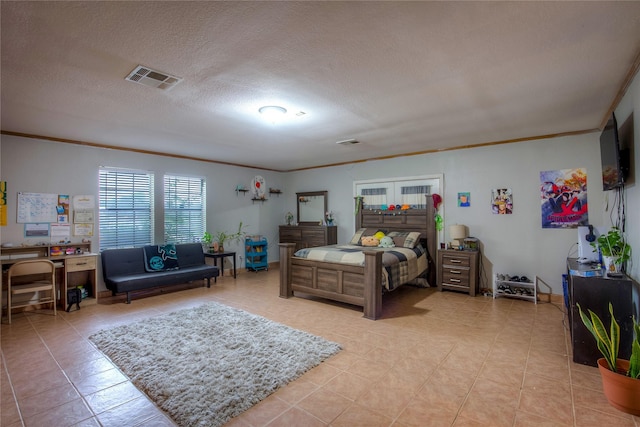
620 378
614 249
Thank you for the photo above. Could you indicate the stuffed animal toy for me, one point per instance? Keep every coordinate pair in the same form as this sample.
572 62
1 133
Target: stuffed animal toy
387 242
379 235
369 241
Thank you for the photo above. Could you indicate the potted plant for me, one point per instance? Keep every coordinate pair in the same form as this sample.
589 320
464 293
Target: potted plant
288 217
222 236
206 240
620 378
328 216
614 249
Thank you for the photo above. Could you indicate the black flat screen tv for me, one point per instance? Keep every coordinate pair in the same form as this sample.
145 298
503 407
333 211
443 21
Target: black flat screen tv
613 174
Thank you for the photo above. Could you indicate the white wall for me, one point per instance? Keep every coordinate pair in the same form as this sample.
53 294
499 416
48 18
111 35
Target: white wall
513 244
30 165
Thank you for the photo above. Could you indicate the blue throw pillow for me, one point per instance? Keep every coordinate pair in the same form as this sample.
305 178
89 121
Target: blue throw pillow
160 258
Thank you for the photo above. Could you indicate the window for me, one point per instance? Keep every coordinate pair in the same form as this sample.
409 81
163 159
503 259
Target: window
398 191
413 195
184 209
126 208
375 197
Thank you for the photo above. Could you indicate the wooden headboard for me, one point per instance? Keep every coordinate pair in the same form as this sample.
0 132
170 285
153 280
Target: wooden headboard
422 220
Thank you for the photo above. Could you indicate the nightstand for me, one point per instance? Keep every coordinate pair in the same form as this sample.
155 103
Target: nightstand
458 270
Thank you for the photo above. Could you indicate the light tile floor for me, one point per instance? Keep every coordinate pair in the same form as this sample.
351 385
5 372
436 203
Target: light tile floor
435 359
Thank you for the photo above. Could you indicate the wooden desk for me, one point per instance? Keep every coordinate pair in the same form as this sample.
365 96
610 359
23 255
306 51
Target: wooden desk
71 270
222 255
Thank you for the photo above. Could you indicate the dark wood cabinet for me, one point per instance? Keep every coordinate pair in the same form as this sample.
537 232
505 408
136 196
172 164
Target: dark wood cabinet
594 293
307 236
458 270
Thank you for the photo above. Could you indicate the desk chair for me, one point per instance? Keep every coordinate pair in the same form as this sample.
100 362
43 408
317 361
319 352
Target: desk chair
42 282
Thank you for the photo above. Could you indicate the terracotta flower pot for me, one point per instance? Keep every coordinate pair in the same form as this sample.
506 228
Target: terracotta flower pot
622 392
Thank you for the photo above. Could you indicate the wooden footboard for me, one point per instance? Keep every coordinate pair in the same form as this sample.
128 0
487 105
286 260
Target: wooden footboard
354 284
351 284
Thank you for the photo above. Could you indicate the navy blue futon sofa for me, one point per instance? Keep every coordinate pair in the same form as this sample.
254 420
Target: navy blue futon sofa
133 269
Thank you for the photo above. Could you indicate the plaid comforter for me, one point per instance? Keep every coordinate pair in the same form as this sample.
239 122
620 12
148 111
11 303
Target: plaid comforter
401 265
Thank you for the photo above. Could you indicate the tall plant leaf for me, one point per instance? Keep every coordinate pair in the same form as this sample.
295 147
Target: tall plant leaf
615 337
607 345
634 361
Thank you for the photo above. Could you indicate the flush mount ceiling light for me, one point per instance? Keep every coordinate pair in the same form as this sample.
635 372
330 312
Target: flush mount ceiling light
273 113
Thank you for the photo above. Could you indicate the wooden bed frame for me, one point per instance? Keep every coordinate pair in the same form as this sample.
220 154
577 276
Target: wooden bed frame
353 284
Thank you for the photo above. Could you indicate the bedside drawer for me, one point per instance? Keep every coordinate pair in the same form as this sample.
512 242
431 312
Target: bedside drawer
459 271
80 263
455 277
454 260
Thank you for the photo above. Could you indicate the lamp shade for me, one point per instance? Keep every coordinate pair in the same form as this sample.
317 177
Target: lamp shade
457 232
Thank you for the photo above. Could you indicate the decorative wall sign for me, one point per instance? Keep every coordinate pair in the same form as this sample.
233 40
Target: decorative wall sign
257 187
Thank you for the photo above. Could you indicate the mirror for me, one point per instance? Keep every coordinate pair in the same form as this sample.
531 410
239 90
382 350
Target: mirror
311 207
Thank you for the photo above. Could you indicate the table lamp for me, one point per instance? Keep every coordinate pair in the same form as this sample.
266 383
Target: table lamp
457 232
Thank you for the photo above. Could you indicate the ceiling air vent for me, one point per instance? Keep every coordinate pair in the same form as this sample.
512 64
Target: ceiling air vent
153 78
348 142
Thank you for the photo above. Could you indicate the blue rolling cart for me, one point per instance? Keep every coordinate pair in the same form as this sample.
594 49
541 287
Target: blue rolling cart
255 253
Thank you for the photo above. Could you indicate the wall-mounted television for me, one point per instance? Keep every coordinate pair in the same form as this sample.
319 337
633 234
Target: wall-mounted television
613 159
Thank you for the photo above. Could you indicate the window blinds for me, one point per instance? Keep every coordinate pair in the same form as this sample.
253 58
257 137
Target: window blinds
126 208
184 209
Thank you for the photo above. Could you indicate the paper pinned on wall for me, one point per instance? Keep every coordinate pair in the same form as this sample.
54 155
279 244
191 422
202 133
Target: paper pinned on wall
36 229
37 208
83 216
83 229
84 202
60 230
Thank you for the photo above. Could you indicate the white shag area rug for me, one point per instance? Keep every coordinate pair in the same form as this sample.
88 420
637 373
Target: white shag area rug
206 365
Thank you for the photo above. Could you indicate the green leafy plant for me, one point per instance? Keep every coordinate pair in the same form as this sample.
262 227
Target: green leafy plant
222 236
207 238
609 343
613 244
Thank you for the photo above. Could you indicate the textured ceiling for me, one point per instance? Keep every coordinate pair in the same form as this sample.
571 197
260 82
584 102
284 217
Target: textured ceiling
400 77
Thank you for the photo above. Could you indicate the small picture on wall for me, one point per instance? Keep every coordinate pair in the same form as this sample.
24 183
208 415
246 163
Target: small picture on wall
464 199
501 201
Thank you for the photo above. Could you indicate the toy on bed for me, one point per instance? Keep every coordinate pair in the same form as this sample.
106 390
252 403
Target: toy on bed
371 241
387 242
